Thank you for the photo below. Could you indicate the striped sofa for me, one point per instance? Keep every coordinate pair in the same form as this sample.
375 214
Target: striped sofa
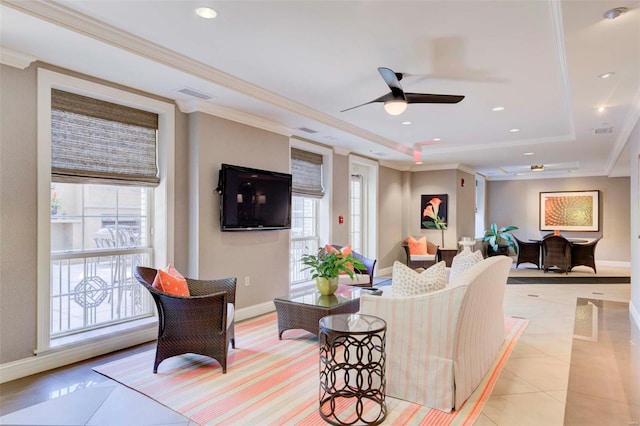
441 344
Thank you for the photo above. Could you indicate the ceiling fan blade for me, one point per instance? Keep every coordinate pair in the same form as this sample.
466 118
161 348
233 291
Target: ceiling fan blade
383 98
391 78
427 98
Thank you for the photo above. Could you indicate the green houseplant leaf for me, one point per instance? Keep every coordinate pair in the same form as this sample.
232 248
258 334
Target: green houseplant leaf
326 264
497 237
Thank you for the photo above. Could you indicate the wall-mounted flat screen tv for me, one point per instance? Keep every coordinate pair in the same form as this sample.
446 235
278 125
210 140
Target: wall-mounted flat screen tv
252 199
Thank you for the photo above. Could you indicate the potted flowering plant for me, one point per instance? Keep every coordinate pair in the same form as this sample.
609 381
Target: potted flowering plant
55 203
325 267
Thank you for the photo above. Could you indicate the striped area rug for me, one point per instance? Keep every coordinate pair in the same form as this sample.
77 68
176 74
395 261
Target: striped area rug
273 382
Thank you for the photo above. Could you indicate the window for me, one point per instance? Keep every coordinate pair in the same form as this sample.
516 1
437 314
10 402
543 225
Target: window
356 213
99 233
99 215
309 209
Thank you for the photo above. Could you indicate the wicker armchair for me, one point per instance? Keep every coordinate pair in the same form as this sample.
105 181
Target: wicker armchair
201 324
432 250
369 265
556 251
528 252
584 254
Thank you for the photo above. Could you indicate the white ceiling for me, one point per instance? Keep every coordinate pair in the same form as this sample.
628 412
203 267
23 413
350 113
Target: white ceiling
285 65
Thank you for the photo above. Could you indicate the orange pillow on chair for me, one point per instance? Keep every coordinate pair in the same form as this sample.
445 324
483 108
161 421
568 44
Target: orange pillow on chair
344 251
171 282
418 247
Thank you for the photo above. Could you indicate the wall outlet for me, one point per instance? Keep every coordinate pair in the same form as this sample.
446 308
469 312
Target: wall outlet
247 282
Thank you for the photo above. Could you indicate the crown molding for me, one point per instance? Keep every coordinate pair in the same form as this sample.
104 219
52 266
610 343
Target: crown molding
58 14
233 115
341 151
15 59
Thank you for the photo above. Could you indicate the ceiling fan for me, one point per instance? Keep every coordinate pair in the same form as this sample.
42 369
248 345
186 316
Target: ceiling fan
396 101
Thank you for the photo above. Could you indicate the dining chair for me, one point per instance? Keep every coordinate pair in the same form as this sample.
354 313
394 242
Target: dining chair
556 252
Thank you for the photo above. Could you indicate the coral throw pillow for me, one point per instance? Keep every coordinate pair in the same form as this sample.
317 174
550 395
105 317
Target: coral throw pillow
345 251
463 261
407 282
418 247
171 282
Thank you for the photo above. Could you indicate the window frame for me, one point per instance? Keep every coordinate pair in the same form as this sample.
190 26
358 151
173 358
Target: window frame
163 209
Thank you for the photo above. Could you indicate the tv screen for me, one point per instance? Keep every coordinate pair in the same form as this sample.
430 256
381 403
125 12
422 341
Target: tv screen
252 199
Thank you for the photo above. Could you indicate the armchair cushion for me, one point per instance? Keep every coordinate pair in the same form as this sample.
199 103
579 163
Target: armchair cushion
172 283
407 282
344 251
417 247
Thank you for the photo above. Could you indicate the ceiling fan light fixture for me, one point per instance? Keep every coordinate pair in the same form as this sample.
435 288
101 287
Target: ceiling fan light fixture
615 12
395 107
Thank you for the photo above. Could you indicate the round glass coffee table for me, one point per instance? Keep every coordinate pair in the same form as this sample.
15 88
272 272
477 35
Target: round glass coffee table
352 365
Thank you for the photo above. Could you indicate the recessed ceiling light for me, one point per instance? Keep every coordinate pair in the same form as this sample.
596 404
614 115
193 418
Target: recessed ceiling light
436 139
418 162
529 153
206 12
514 130
606 75
601 109
615 12
406 123
498 108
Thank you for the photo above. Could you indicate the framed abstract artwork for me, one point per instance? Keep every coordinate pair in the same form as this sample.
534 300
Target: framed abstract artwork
570 211
433 211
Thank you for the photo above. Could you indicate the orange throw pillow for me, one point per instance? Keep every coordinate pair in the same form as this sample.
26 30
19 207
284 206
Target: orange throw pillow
344 251
418 247
171 282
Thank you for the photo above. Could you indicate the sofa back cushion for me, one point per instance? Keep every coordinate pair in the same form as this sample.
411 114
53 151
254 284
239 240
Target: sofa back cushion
408 282
463 261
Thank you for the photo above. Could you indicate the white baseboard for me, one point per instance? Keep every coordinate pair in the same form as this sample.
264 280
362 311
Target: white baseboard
613 263
385 271
254 311
122 340
76 353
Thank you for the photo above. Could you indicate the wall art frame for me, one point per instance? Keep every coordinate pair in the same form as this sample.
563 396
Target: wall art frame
433 211
570 211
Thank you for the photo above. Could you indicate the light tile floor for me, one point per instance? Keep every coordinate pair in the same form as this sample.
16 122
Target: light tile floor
532 390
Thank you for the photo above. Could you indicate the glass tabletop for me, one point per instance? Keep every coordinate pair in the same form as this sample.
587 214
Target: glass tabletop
352 323
344 294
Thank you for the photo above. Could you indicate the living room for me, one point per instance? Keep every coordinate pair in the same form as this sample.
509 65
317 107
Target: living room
202 142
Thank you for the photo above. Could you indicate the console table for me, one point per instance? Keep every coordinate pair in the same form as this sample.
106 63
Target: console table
446 254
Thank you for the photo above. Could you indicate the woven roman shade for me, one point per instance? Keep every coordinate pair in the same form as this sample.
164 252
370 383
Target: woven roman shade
93 141
306 171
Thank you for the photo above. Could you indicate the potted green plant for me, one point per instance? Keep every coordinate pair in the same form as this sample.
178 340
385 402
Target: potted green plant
499 240
325 267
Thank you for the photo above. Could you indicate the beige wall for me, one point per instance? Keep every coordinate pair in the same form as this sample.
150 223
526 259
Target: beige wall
391 227
516 203
260 256
340 200
460 213
17 213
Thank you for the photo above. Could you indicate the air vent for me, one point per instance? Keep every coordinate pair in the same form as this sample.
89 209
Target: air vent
195 93
603 130
307 130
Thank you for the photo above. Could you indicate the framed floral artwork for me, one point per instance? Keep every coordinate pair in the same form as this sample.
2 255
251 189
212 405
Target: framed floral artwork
433 211
570 211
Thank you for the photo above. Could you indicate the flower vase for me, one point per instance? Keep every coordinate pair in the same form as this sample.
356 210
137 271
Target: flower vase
327 286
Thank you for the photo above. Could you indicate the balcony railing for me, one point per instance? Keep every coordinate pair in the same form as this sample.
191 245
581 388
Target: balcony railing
94 289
